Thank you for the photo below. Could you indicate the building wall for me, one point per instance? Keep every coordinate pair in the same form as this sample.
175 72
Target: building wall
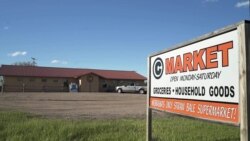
89 83
36 84
98 84
86 83
108 85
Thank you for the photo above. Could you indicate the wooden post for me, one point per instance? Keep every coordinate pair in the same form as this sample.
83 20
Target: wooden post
149 111
243 31
149 122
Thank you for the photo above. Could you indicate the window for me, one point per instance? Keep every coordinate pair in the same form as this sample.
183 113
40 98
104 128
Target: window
44 80
66 83
55 80
104 85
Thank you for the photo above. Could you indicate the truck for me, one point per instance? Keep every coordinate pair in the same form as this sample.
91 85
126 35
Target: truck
133 88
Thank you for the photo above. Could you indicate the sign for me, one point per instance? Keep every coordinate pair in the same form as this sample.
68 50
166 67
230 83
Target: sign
205 78
199 80
73 87
200 109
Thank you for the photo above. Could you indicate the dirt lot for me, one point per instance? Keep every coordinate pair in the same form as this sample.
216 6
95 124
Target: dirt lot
77 105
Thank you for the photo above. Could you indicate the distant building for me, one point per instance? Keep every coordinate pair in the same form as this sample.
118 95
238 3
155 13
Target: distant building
50 79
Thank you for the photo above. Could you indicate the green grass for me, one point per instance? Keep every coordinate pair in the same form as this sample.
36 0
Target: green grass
182 129
16 126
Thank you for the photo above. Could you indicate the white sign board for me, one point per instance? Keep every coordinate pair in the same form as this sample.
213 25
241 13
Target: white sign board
199 80
207 70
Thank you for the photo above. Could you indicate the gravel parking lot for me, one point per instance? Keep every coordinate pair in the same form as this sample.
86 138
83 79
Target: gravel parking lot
77 105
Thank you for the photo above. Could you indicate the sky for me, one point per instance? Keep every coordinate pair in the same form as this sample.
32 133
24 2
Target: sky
106 34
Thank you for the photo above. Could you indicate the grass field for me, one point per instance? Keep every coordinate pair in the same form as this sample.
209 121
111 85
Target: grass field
16 126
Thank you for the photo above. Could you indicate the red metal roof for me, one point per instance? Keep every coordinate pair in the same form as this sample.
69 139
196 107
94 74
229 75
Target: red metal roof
36 71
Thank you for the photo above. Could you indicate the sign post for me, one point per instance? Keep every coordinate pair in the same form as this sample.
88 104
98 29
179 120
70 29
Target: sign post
148 110
205 78
243 34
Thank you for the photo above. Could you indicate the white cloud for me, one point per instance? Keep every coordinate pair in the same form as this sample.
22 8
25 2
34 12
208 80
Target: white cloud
55 61
17 53
242 4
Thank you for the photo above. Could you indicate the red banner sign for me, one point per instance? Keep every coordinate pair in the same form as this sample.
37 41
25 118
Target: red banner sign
223 112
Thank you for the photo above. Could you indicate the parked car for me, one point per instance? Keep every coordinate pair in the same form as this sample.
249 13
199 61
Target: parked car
131 88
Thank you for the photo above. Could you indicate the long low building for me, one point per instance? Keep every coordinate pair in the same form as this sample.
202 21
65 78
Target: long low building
51 79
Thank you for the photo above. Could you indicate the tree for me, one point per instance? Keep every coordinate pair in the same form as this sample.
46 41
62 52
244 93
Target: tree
26 63
33 61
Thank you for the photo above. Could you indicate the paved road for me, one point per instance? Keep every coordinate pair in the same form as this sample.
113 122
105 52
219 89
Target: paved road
77 105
